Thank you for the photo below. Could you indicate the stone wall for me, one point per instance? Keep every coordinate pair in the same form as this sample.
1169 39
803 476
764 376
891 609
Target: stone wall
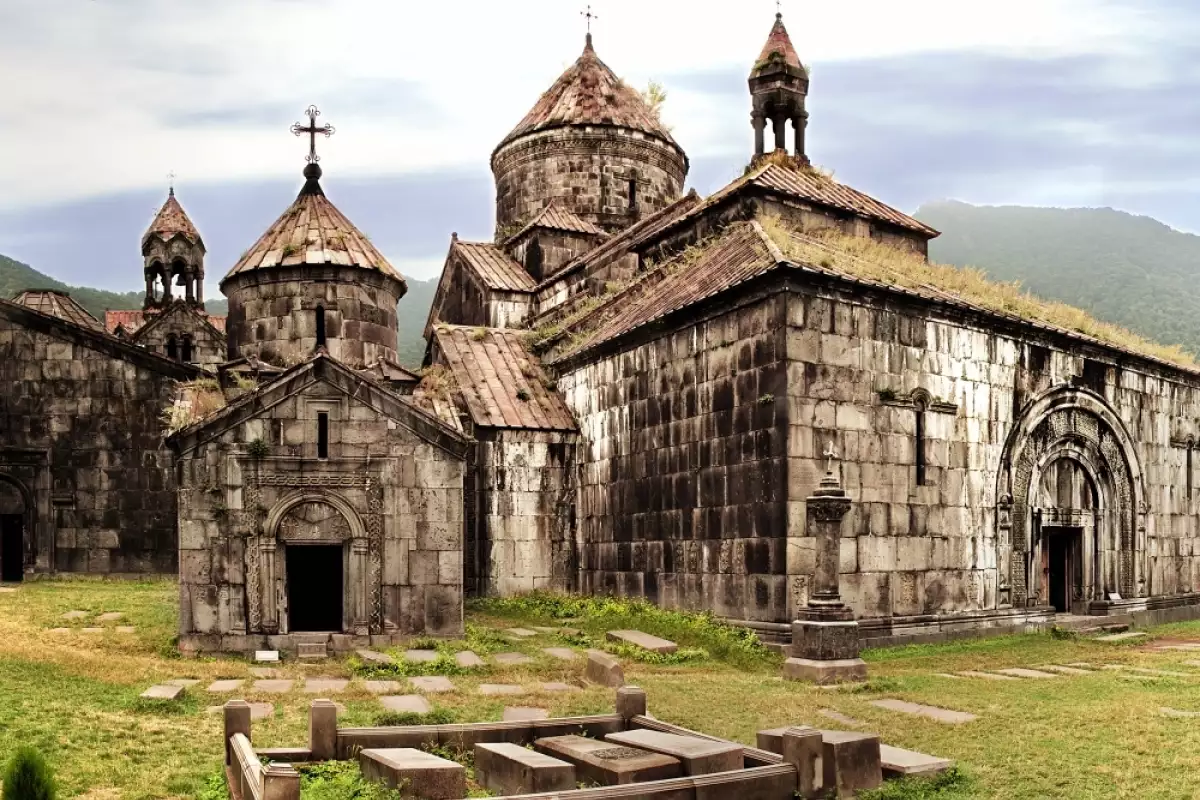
588 170
683 465
553 251
273 313
208 346
526 496
388 494
462 300
80 417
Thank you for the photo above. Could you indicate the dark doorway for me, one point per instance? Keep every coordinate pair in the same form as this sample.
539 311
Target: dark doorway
12 548
314 578
1061 551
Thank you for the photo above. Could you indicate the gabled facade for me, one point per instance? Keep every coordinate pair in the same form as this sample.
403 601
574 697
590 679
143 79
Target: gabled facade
184 333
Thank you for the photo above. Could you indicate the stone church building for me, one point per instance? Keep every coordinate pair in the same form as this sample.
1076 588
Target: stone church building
631 389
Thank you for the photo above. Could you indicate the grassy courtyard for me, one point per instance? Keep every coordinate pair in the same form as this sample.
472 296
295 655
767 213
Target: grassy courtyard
74 694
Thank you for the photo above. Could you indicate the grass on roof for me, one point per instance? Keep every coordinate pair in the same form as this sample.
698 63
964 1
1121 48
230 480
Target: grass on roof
193 401
865 258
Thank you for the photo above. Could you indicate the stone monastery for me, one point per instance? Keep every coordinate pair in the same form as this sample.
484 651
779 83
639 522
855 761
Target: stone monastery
631 390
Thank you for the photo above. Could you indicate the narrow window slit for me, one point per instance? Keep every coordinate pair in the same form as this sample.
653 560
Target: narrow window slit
323 434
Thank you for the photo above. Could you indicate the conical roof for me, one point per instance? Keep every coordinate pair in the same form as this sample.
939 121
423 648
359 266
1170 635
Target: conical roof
778 48
58 304
313 231
589 93
172 221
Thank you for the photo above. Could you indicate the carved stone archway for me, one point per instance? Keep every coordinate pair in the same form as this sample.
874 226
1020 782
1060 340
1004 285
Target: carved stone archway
1076 424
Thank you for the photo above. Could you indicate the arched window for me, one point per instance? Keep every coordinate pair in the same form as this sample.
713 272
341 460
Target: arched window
633 192
172 348
320 326
920 404
534 259
186 355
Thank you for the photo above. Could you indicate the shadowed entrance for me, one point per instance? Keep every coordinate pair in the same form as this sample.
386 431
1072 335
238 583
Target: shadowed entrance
315 588
12 547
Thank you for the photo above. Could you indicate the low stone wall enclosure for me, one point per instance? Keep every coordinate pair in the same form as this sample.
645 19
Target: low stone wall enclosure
626 754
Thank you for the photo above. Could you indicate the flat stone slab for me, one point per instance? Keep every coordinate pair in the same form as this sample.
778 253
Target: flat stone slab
372 657
1059 668
698 756
382 687
1121 637
257 710
1187 648
76 615
546 630
607 763
266 656
643 640
111 616
431 683
163 691
467 659
899 763
126 629
991 676
225 687
186 683
325 685
558 687
1080 664
521 633
1174 712
91 630
499 688
561 653
272 686
512 658
1021 672
837 716
930 712
420 774
510 769
411 703
522 713
60 630
420 656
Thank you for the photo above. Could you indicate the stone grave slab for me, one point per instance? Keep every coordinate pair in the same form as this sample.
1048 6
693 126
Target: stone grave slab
604 669
225 686
851 762
186 683
126 629
512 659
420 656
500 688
899 763
257 710
164 691
264 672
510 769
643 640
991 676
420 774
272 686
382 687
412 703
372 657
266 656
1176 713
1064 670
934 713
609 764
431 683
91 630
521 633
697 756
839 717
111 616
561 653
558 687
1021 672
1121 637
325 685
467 659
524 713
76 615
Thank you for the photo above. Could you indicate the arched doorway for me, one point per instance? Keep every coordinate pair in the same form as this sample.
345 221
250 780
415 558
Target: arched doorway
14 523
1066 539
314 536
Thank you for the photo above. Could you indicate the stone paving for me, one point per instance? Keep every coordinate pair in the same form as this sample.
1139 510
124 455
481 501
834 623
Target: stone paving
500 688
511 659
382 687
410 703
524 713
943 715
272 686
468 659
225 686
431 683
325 685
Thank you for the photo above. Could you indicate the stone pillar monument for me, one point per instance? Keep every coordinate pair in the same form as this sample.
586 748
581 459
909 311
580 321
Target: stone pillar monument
825 638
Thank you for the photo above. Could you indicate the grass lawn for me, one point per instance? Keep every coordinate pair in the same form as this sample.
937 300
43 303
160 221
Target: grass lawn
75 696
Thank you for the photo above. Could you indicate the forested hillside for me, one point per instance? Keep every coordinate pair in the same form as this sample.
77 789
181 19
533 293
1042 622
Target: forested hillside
1130 270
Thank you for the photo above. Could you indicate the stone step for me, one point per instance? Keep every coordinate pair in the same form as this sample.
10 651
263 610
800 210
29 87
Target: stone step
311 651
899 763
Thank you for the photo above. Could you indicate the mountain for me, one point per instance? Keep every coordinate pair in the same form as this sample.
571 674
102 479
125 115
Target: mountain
15 277
1130 270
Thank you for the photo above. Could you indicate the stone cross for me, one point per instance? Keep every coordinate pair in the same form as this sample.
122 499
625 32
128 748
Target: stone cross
312 130
831 454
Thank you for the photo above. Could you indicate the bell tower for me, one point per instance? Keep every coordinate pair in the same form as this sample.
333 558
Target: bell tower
779 88
172 255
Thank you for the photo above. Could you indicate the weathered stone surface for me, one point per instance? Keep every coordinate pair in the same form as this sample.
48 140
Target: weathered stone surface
257 710
225 686
325 685
186 683
697 756
499 689
382 687
991 676
900 763
604 669
631 701
266 656
372 657
264 672
111 616
609 764
272 686
511 659
163 692
645 641
930 712
509 769
59 631
824 673
467 659
518 713
1021 672
1172 712
415 772
561 653
126 629
420 656
431 683
91 630
412 703
1064 670
851 762
76 615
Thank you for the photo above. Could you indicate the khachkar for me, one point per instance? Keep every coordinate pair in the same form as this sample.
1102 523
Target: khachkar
825 637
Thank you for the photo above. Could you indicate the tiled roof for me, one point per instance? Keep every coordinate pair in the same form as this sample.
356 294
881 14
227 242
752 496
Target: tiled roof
742 253
385 370
557 218
588 93
58 304
500 381
131 321
778 46
313 231
495 268
172 221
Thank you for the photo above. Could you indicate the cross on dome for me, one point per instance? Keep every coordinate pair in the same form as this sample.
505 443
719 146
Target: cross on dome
312 130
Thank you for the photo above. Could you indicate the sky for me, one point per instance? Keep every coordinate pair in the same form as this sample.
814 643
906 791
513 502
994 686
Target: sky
1036 102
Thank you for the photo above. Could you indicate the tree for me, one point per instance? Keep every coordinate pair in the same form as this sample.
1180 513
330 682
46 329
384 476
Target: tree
28 777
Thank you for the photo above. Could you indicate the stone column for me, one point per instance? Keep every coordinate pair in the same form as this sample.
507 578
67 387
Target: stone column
360 585
825 645
760 133
237 720
800 124
780 125
189 286
166 279
270 615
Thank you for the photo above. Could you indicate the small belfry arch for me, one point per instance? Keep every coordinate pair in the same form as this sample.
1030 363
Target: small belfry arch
1070 507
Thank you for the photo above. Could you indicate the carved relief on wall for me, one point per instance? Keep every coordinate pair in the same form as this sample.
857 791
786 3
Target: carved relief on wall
314 522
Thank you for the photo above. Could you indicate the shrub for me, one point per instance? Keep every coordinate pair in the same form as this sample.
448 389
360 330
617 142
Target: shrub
949 785
28 777
438 716
341 780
